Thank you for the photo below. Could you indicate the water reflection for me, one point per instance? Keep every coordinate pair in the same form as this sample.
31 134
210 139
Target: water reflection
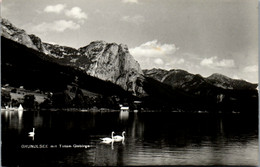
37 119
123 115
20 115
105 156
10 114
221 126
137 129
13 118
20 125
6 114
108 143
151 138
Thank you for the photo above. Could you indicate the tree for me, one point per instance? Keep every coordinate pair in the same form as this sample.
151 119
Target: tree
79 101
29 102
47 103
61 100
5 98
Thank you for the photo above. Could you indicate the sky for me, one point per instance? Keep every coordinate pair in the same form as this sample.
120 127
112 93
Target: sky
199 36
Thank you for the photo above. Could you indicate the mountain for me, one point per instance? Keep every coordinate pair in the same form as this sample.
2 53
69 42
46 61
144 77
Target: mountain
185 80
23 66
109 70
107 61
216 92
225 82
111 62
193 85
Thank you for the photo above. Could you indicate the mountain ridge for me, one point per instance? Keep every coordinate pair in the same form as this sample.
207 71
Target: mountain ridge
113 64
215 79
98 59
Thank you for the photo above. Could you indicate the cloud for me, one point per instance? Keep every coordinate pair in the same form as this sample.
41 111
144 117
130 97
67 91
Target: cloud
207 61
153 49
180 61
213 62
175 61
55 8
130 1
76 13
138 19
154 54
253 68
56 26
159 61
229 63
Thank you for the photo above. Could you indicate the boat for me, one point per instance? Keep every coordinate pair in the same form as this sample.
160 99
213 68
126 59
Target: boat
20 108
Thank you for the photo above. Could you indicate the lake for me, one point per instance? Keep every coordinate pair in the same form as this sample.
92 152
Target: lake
152 138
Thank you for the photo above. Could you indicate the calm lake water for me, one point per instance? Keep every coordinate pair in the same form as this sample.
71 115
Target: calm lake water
152 138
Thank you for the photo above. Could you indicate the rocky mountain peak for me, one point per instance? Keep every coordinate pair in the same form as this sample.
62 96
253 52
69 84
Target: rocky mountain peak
112 62
9 27
18 35
92 48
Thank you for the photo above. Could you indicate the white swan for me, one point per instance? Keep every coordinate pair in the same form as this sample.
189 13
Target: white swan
120 138
31 134
108 139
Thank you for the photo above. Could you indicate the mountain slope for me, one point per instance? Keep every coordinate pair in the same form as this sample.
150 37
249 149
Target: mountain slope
222 81
22 66
186 80
216 92
106 61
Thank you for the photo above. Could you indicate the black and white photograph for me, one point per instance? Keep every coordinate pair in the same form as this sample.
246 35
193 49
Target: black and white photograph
129 83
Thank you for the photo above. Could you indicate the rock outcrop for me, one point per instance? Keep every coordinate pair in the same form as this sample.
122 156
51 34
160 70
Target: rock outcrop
18 35
111 62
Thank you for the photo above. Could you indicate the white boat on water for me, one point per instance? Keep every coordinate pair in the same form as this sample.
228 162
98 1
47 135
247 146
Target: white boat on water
20 108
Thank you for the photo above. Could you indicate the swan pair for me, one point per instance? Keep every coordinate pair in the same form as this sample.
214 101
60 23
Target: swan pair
113 138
